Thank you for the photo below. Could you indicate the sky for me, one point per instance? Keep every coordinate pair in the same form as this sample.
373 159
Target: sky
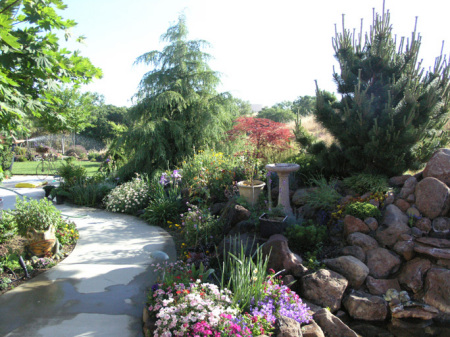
266 51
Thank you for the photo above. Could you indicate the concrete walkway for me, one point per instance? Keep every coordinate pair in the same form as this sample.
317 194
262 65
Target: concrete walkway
99 290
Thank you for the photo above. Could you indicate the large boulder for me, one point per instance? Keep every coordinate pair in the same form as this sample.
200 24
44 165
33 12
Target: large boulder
365 306
332 326
432 197
398 181
394 224
382 262
364 241
439 166
413 272
424 224
281 256
441 226
353 224
350 267
381 286
437 289
408 187
287 327
405 249
355 251
312 330
324 287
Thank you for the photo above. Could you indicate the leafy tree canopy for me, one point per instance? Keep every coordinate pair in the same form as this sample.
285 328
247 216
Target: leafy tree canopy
177 105
304 105
280 113
32 64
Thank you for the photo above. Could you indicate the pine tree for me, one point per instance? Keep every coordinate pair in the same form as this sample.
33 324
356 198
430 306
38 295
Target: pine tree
178 108
391 114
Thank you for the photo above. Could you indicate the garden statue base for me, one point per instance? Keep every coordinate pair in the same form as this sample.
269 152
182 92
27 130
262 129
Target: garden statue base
283 171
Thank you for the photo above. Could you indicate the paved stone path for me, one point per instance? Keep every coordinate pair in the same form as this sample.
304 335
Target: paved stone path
99 290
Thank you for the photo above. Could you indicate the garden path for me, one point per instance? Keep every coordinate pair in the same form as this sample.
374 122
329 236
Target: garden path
99 290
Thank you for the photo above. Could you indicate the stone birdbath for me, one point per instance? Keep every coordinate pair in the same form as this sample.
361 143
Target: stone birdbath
283 171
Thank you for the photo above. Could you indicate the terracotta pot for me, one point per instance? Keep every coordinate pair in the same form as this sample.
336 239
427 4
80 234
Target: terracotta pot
251 192
41 243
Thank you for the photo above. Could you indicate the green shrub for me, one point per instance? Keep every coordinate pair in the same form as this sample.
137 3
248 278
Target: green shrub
6 156
200 228
129 197
37 214
71 173
77 151
8 226
365 182
324 196
208 174
363 210
165 205
21 151
20 158
90 193
305 237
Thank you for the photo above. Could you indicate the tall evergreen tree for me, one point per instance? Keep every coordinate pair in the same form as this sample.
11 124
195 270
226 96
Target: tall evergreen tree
178 107
391 113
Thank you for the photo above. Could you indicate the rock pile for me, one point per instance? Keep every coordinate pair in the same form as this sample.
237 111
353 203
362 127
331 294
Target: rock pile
395 271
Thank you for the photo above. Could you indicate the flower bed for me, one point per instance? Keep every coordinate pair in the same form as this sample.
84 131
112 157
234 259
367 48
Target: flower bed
183 305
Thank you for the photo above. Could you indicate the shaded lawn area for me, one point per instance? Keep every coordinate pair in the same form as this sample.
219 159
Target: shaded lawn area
29 167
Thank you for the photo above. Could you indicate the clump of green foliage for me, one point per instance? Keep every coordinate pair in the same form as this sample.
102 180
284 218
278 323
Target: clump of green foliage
363 210
306 237
8 227
365 182
36 214
324 196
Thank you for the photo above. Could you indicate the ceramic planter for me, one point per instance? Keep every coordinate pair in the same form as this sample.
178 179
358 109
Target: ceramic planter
250 192
269 226
41 243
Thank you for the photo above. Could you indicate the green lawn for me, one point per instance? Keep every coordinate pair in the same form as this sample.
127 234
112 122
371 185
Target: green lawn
29 167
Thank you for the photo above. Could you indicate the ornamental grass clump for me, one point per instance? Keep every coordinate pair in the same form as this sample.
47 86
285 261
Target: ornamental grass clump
128 197
244 276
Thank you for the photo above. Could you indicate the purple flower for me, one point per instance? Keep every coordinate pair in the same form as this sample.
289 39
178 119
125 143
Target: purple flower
108 160
164 179
175 175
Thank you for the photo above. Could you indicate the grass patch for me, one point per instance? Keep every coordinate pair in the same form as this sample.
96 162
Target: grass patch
29 167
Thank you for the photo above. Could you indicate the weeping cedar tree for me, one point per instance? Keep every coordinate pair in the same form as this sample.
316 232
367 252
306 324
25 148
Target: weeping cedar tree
178 108
391 114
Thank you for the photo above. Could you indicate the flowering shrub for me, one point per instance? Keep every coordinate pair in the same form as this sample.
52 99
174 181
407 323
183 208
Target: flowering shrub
199 226
207 174
279 300
67 233
128 197
165 203
42 262
200 309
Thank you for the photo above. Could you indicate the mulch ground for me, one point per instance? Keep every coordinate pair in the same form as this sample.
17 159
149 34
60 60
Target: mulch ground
17 245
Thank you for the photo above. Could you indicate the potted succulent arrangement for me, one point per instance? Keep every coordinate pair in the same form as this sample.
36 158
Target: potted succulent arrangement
250 188
273 222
